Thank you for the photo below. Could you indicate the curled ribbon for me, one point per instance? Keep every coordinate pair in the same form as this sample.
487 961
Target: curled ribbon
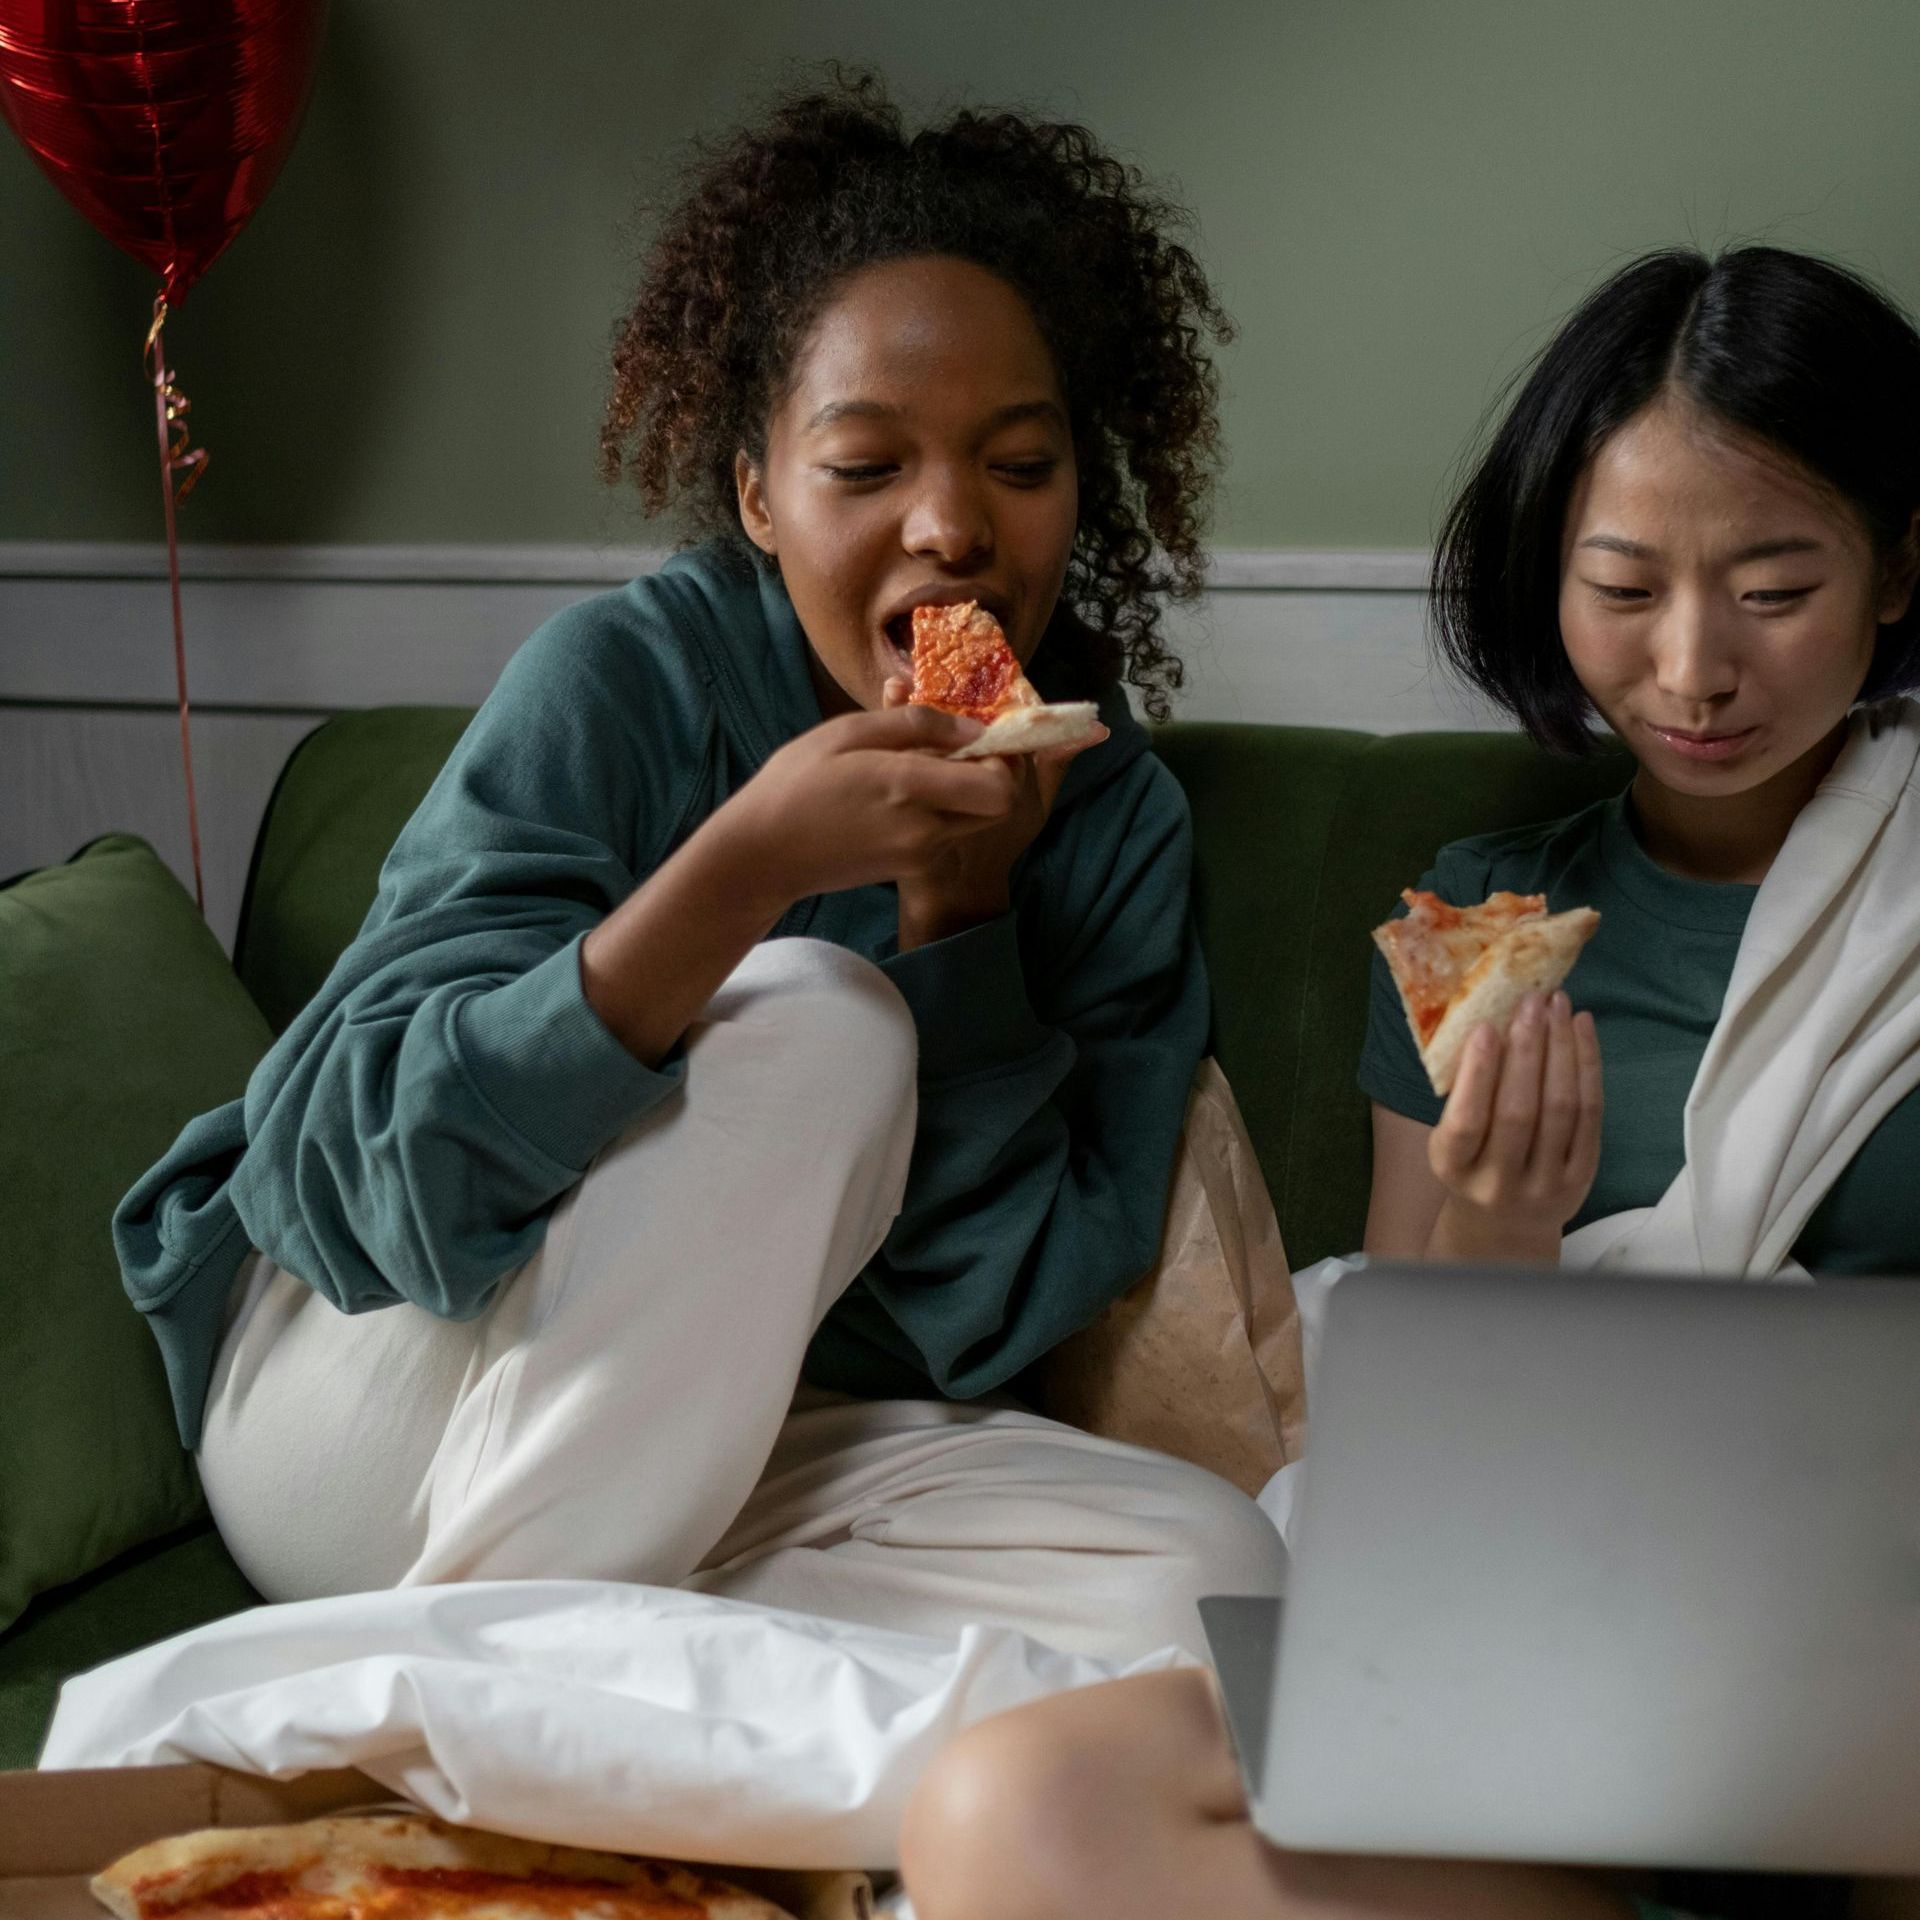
177 453
178 457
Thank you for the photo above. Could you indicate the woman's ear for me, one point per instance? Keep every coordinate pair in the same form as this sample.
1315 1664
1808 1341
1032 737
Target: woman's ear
1903 570
754 517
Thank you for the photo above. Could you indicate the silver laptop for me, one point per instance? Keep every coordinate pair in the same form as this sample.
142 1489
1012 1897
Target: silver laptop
1597 1569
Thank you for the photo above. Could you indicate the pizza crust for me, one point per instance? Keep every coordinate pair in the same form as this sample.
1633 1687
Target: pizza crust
1065 723
185 1875
1533 957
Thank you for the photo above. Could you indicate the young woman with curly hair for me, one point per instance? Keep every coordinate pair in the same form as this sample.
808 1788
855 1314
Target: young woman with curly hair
712 1031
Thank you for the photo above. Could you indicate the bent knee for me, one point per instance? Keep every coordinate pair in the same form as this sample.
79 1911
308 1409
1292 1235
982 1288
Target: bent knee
1000 1825
1216 1541
840 1019
1076 1803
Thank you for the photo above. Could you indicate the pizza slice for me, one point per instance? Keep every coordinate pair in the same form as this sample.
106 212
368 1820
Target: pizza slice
404 1867
1458 968
962 664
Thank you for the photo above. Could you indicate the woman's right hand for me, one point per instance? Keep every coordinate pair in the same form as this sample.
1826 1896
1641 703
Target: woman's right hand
1518 1143
862 798
866 797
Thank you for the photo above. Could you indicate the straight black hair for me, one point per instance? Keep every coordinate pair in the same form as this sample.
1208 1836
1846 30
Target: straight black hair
1797 352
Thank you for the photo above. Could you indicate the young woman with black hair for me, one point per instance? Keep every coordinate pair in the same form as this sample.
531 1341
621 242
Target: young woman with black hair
711 1027
1698 523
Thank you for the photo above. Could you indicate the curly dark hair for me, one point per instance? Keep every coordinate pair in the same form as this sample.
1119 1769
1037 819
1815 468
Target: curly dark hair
773 218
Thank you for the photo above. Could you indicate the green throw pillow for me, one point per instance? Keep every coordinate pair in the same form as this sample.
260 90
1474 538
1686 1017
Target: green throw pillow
120 1019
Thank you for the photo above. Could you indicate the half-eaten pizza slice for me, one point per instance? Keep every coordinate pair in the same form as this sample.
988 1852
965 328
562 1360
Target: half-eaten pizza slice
1460 967
962 664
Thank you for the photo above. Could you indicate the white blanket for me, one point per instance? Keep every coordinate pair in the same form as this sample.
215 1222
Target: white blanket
1819 1036
600 1715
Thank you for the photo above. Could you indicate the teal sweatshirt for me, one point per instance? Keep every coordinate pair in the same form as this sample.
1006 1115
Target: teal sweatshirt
408 1135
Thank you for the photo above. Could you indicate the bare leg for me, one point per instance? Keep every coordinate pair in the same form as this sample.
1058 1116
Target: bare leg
1123 1801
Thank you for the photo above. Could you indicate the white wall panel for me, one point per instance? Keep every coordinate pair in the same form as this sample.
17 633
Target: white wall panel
279 637
1331 639
68 775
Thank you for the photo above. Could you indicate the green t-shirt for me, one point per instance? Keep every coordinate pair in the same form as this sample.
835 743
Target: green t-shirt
1653 976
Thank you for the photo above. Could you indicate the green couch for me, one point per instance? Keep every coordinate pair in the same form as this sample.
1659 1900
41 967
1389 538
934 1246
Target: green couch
1304 838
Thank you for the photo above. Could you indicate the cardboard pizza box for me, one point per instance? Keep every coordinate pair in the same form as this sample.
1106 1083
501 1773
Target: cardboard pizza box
59 1829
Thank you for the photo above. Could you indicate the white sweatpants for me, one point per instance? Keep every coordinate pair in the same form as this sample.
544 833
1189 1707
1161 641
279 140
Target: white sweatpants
626 1409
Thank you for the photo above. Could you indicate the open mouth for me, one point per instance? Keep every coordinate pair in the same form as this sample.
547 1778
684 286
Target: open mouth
899 632
897 628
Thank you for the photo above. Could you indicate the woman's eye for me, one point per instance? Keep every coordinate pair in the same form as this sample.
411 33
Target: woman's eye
1778 596
1028 473
1618 596
875 470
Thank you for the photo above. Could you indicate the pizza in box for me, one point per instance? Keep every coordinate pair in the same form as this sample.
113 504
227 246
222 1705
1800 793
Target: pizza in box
405 1867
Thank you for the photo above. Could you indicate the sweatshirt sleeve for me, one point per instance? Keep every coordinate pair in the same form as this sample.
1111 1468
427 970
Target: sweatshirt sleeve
1057 1048
409 1133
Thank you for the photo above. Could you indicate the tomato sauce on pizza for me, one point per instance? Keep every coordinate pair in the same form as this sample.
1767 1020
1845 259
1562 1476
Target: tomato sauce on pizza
963 665
431 1893
436 1893
250 1893
1435 946
1460 968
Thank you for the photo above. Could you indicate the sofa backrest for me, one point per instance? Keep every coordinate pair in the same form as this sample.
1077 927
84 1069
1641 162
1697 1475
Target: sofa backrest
343 796
1303 838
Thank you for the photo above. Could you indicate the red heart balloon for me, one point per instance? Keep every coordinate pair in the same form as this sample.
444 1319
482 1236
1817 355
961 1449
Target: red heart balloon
163 121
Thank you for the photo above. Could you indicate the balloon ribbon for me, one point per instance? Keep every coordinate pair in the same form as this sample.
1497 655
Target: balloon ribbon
181 465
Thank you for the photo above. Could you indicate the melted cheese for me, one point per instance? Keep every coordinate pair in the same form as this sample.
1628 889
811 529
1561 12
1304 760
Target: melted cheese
1433 949
962 664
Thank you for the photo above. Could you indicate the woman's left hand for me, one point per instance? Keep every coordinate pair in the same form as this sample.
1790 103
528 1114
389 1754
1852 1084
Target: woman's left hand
972 882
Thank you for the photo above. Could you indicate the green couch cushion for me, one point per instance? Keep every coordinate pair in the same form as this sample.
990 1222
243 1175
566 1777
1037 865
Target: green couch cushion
120 1019
342 798
160 1590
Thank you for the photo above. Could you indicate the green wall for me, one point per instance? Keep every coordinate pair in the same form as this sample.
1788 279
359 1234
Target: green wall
1396 200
